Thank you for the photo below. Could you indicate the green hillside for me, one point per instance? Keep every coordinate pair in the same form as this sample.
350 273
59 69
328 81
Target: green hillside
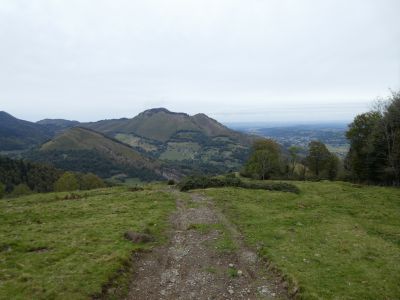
53 248
84 150
57 125
196 142
16 134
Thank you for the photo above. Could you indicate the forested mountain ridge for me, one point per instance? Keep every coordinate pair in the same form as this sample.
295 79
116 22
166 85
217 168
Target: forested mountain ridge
189 143
85 150
179 138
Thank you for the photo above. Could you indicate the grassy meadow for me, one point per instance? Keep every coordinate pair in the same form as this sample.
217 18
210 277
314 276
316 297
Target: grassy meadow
332 241
51 247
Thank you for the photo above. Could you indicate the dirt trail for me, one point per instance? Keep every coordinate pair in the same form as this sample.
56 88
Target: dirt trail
192 266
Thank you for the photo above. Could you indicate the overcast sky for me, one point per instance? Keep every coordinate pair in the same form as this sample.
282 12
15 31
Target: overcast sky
248 60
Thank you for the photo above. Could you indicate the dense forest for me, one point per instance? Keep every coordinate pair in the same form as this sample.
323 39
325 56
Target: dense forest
19 177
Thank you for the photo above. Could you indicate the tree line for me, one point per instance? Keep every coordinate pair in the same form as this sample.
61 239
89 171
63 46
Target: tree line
19 177
269 160
373 157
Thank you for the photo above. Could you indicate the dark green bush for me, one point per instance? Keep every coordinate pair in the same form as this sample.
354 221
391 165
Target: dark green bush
135 189
21 190
202 182
171 182
272 186
2 190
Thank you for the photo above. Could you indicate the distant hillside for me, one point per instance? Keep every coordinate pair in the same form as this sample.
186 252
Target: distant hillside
57 125
84 150
16 134
192 142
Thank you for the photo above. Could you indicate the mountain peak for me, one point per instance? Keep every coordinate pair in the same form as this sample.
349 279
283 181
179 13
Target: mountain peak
157 110
4 114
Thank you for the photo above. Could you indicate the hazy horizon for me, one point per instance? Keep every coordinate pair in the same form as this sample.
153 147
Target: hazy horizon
231 124
236 61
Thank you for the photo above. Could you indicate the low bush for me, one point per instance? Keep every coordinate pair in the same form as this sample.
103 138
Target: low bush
2 190
202 182
272 186
21 190
135 189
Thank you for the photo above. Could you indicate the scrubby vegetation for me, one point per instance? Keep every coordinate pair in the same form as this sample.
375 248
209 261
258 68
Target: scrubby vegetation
332 241
67 246
202 182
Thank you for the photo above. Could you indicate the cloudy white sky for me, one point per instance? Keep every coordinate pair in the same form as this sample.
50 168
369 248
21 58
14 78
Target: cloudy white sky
236 60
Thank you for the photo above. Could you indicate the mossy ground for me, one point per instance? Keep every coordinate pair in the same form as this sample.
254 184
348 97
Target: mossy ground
334 240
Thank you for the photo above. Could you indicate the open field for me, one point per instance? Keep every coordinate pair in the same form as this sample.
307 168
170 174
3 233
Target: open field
333 241
67 249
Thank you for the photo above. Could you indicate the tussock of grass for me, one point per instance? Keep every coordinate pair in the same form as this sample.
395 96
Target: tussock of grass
333 240
232 272
53 248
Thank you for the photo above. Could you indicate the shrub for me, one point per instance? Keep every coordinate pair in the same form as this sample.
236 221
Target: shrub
171 182
67 182
91 181
202 182
20 190
2 190
273 186
135 189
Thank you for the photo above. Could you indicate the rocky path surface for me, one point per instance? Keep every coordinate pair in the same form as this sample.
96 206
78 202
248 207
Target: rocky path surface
205 259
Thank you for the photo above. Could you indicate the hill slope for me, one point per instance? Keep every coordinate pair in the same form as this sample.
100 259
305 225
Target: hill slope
84 150
57 125
16 134
197 141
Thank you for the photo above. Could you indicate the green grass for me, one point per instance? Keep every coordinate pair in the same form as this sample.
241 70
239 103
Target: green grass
232 272
333 240
67 249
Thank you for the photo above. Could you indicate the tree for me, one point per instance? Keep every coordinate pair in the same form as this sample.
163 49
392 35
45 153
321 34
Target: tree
67 182
374 155
318 157
265 159
332 167
37 177
391 129
91 181
367 148
294 157
2 190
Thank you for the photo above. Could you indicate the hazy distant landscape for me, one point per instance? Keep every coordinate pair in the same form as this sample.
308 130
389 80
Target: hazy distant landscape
333 135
